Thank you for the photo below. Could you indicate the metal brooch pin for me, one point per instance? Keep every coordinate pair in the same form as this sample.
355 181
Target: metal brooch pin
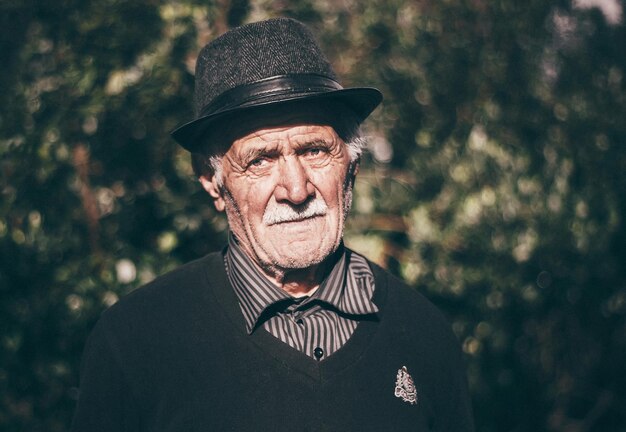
405 387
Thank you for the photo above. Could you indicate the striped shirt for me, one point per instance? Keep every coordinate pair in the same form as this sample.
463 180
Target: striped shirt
317 325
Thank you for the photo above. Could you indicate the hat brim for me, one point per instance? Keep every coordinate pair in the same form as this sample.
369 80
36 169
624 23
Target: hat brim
360 100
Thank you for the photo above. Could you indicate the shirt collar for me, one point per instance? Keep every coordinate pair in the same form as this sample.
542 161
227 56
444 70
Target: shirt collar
348 287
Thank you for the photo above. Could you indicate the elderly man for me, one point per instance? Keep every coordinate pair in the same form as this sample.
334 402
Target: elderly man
285 328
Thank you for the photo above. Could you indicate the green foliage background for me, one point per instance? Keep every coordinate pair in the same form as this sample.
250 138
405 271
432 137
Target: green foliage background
494 183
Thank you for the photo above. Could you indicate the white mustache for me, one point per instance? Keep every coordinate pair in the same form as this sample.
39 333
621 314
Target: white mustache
279 213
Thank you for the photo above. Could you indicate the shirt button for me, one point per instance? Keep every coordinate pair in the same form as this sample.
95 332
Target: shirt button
318 353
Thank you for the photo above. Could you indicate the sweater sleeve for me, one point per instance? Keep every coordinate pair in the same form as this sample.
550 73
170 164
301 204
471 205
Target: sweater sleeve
105 403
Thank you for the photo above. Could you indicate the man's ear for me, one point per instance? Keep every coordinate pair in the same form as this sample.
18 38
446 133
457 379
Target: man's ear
210 184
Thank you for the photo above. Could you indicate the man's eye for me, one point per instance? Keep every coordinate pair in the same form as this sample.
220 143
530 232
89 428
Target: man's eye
256 162
315 151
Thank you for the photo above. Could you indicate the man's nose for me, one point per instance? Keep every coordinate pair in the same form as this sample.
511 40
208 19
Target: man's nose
294 185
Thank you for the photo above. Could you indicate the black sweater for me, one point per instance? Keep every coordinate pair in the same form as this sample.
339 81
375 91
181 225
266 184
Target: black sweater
175 356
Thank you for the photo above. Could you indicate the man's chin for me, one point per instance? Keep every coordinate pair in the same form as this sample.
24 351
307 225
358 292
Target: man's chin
300 256
300 261
290 246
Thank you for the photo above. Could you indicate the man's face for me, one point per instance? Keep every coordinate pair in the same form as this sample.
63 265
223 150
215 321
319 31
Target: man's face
287 190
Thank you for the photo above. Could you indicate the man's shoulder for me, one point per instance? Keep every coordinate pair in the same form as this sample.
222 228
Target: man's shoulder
392 285
168 292
410 316
406 303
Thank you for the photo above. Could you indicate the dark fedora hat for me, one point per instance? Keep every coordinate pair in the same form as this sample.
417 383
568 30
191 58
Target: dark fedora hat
259 65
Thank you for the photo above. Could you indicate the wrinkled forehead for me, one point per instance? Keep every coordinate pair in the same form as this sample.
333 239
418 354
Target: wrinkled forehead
286 139
287 115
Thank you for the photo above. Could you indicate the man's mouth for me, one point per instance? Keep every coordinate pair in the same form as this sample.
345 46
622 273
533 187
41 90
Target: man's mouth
296 220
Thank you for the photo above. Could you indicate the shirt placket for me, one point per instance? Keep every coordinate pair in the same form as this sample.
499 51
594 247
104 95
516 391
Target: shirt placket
312 338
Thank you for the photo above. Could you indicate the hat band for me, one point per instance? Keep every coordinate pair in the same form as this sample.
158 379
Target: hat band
280 85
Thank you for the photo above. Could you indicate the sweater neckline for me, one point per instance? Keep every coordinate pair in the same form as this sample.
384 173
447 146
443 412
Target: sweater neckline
278 351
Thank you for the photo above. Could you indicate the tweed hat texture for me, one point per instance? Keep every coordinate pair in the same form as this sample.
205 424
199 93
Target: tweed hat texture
262 64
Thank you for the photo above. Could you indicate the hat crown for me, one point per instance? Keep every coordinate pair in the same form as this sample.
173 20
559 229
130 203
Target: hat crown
259 66
254 52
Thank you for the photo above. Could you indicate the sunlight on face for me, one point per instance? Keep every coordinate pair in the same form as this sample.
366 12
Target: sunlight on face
287 191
